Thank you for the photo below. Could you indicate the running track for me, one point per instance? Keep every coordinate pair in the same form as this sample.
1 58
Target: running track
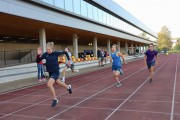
95 96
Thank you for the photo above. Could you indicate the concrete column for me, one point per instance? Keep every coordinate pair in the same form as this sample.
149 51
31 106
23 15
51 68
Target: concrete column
126 47
75 45
132 48
119 46
109 46
95 46
42 39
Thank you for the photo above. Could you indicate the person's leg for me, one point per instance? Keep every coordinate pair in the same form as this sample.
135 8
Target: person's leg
39 71
116 77
42 73
50 84
64 73
74 70
68 87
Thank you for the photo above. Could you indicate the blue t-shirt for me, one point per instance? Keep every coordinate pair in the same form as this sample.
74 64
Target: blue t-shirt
116 59
150 55
52 64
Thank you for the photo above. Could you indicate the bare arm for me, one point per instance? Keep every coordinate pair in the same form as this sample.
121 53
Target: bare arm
145 58
122 56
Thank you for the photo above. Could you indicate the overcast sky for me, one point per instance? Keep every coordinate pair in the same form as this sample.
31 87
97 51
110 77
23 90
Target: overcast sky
155 13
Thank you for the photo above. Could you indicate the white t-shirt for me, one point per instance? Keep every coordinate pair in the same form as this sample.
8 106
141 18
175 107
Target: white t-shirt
71 62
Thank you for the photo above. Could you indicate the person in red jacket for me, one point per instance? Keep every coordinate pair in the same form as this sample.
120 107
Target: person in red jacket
41 76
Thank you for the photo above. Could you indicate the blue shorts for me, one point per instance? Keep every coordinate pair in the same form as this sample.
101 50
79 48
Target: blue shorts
116 68
54 75
152 63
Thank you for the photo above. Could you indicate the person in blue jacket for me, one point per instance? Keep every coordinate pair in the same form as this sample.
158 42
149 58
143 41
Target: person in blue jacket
52 67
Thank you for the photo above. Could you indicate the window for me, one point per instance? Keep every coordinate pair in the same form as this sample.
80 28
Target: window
90 11
77 6
108 19
111 20
95 13
104 18
59 3
100 15
49 2
83 8
69 5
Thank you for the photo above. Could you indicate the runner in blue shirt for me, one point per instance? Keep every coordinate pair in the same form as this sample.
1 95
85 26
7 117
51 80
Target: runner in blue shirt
150 60
52 67
116 64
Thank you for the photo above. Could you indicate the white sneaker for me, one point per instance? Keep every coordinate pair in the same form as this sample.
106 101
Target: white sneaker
77 71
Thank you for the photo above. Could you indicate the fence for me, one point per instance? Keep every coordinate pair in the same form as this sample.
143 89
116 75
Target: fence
9 58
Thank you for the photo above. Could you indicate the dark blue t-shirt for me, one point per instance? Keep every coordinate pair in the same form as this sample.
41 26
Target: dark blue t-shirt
52 60
150 55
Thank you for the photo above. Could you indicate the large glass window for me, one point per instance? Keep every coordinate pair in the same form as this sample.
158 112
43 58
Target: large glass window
100 15
83 8
108 19
104 18
95 13
59 3
69 5
77 6
111 20
49 1
90 11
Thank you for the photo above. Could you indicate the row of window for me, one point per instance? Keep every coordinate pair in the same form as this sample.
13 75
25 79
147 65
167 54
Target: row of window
87 10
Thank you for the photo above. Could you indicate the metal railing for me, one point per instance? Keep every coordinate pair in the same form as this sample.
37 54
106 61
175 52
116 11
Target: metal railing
15 57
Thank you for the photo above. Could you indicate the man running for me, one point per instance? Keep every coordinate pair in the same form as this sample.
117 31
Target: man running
150 60
71 66
52 67
116 64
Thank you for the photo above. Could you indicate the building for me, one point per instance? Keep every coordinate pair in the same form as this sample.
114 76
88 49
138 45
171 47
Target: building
79 24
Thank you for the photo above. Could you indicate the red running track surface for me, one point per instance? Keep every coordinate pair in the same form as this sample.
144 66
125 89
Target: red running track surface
95 96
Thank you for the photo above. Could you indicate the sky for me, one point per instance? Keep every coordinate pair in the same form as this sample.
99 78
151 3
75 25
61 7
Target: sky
155 13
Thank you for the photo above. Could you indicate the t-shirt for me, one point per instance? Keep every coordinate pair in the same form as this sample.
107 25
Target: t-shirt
150 55
52 60
71 62
116 59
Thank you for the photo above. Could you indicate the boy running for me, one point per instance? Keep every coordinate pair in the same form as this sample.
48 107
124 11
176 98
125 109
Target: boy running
116 64
150 60
67 66
52 67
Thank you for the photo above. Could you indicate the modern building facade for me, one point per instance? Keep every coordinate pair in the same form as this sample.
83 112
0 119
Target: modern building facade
77 24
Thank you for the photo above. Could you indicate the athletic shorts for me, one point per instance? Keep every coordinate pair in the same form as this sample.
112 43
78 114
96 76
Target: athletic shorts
54 75
99 59
116 68
149 65
71 67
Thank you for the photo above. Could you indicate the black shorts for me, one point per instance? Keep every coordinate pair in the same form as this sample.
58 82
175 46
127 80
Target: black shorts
54 75
71 67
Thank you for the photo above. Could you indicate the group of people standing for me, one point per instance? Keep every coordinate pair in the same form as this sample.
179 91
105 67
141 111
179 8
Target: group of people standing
52 65
102 57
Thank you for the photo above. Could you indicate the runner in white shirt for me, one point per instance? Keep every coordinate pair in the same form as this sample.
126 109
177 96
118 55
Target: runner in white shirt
66 66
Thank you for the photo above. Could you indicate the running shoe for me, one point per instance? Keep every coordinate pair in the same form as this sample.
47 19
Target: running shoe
69 89
77 71
39 80
118 85
150 81
54 103
121 72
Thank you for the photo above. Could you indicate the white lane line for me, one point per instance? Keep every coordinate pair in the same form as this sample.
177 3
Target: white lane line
57 96
94 94
134 92
133 66
174 91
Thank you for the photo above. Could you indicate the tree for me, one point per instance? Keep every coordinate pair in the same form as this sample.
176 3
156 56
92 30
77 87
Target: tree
164 38
177 46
